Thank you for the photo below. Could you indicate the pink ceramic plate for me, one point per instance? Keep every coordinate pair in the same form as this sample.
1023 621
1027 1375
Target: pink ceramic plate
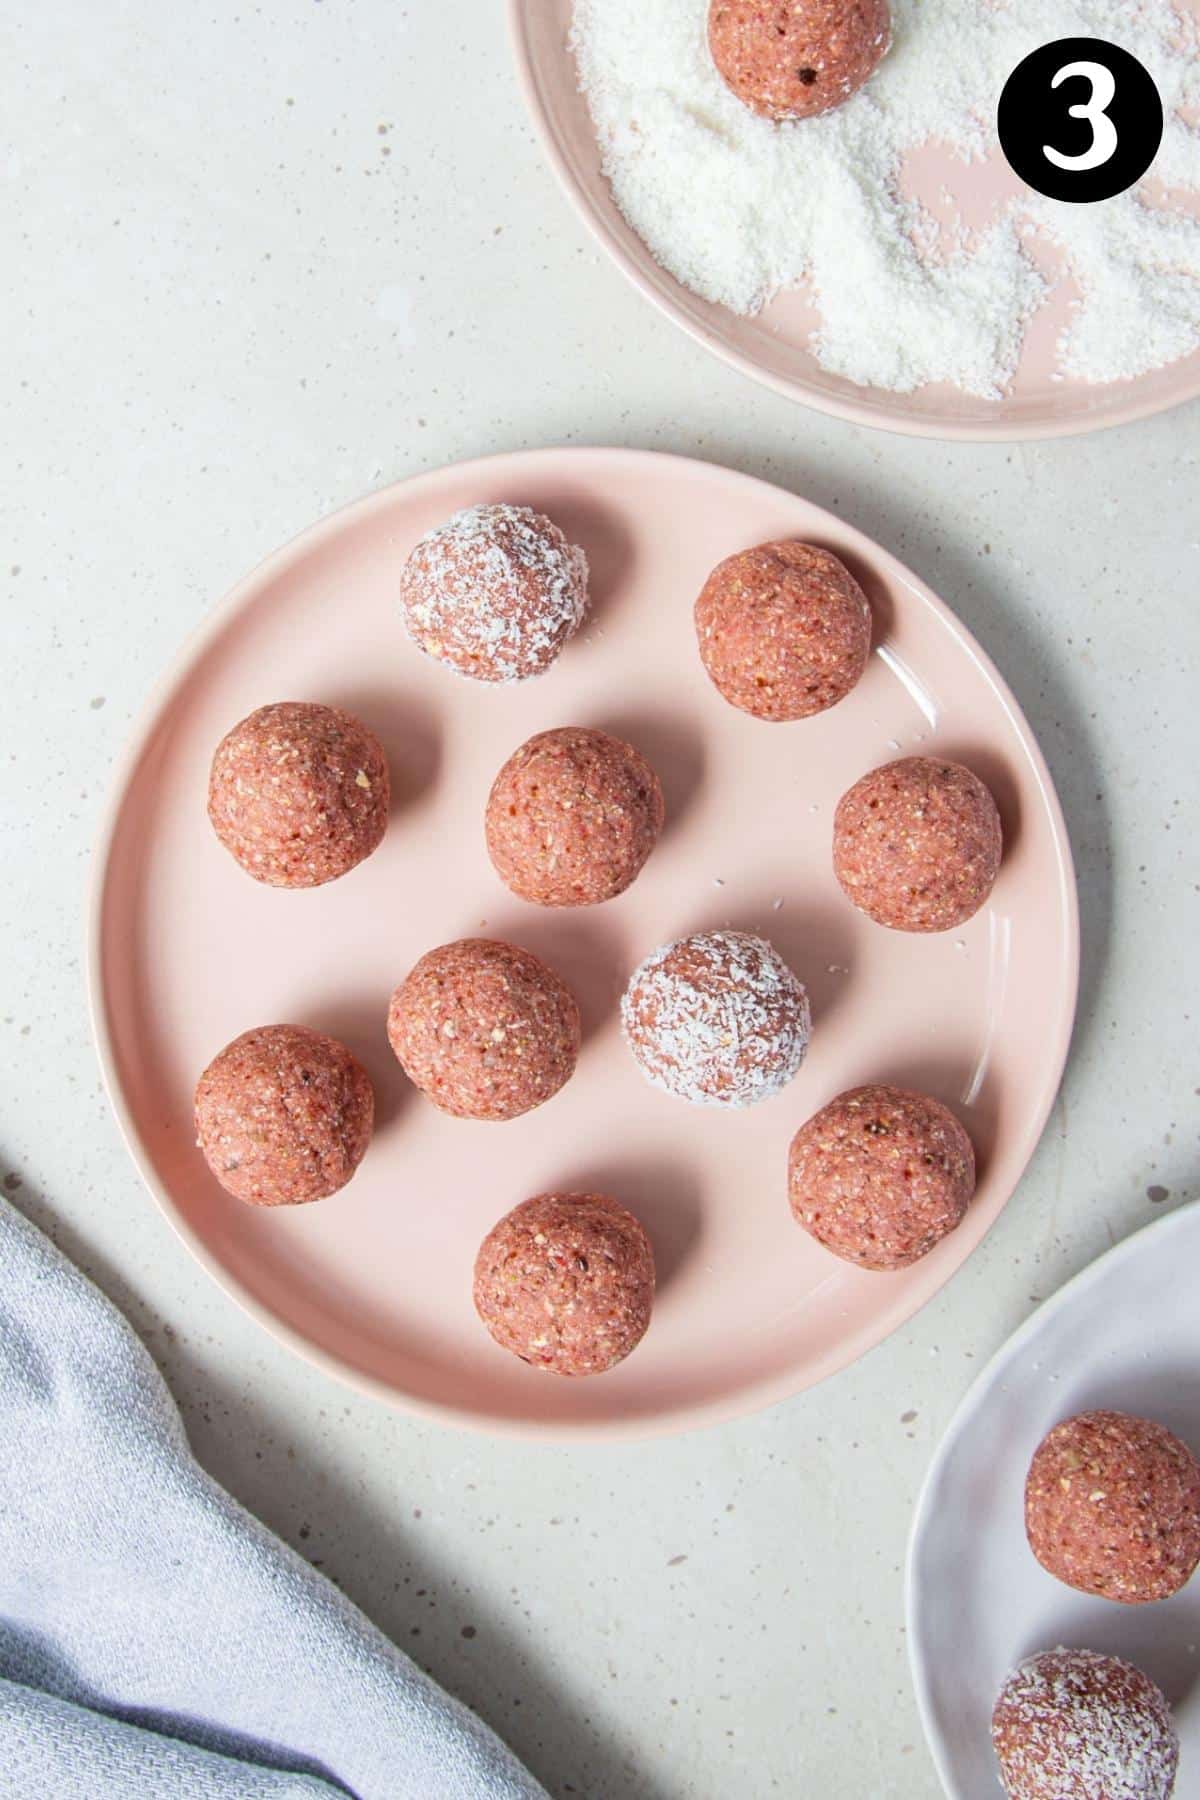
772 347
187 951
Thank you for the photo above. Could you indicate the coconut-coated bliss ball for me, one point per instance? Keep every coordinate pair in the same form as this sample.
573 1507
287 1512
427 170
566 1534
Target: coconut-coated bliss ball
1112 1507
495 592
795 59
484 1029
284 1115
1075 1725
917 844
298 793
566 1282
572 817
881 1175
784 630
718 1019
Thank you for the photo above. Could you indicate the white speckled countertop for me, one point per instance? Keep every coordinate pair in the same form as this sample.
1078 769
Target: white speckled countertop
258 259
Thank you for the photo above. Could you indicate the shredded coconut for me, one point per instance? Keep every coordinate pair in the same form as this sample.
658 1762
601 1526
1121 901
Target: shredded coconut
718 1019
495 592
738 208
1075 1725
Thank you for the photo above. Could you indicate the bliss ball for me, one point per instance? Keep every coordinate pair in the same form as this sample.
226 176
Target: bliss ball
718 1019
572 816
1112 1507
284 1115
880 1175
298 793
784 630
495 592
917 844
1075 1725
794 59
566 1282
484 1029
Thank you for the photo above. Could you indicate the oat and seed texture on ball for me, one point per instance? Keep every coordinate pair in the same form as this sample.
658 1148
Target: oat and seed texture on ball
796 59
1112 1507
284 1115
917 844
298 793
572 817
486 1030
566 1282
881 1175
784 630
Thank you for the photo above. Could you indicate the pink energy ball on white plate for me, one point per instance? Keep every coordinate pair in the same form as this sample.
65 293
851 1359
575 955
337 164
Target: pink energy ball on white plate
495 592
1112 1507
1075 1725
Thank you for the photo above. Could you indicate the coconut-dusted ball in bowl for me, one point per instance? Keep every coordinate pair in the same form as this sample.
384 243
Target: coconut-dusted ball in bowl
486 1030
784 630
566 1282
881 1175
284 1115
917 844
298 793
796 59
1112 1507
1076 1725
717 1019
495 592
572 817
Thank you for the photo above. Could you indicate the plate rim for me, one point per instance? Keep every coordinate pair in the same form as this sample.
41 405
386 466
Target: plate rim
888 418
754 1398
972 1401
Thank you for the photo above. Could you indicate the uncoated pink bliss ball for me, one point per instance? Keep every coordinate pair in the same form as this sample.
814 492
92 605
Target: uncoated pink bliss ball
917 844
284 1115
572 817
796 59
298 793
1112 1507
784 630
881 1175
566 1282
485 1029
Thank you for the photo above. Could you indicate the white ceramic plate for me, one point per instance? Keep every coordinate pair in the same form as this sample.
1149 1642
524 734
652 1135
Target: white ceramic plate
1125 1334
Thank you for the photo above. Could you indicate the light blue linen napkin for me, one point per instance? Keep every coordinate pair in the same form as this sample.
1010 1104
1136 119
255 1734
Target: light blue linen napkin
156 1641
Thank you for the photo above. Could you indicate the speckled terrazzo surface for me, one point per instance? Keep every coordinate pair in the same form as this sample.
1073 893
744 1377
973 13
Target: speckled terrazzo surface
230 321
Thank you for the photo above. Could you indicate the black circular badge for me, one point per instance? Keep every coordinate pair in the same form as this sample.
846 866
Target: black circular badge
1080 119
